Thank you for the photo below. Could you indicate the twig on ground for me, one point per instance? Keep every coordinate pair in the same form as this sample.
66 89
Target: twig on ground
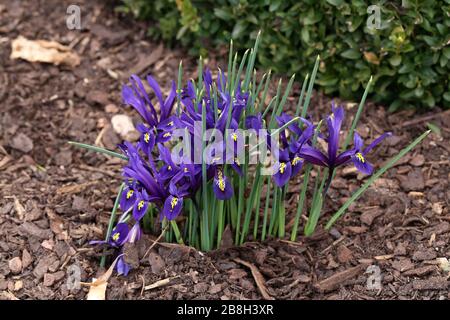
259 279
423 119
155 242
160 283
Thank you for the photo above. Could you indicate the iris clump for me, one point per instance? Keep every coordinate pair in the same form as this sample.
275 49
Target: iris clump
213 153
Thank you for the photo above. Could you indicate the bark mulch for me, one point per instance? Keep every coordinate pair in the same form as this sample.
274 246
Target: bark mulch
54 198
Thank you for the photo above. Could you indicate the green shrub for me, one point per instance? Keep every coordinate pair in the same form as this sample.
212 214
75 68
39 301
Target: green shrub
408 55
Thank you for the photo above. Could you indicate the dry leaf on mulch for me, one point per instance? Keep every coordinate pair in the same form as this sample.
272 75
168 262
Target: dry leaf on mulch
43 51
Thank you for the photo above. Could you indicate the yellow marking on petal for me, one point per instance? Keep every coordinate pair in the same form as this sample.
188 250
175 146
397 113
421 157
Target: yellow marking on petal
130 194
282 167
296 160
116 236
234 136
219 111
220 181
167 134
174 202
360 157
170 123
215 159
141 204
186 170
236 160
146 137
169 168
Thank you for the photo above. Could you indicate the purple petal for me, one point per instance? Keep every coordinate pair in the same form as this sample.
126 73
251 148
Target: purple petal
122 267
168 104
119 234
283 171
344 157
134 234
221 186
129 98
376 141
297 164
313 156
172 207
140 208
334 122
127 199
362 164
358 141
155 86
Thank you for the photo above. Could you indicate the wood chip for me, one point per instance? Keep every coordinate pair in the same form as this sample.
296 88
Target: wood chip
333 282
146 61
74 188
259 279
160 283
20 210
384 257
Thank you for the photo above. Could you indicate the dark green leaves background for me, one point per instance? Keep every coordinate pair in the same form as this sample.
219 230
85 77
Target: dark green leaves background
409 56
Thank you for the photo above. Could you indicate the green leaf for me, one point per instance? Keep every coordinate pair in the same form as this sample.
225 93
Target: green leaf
335 3
375 176
395 60
434 128
351 54
98 149
238 30
222 14
446 52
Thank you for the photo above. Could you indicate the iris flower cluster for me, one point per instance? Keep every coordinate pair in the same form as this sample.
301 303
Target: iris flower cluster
155 176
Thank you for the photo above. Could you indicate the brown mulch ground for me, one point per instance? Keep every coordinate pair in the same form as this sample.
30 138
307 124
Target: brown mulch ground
54 198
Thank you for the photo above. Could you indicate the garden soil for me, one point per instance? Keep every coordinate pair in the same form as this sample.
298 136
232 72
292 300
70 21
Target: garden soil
391 244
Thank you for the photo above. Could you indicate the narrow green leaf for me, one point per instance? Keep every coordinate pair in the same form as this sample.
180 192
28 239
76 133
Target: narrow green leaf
266 211
98 149
375 176
179 86
112 219
176 231
358 115
310 88
302 93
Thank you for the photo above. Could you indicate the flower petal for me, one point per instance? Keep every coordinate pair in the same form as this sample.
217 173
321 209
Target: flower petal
297 164
376 142
155 86
127 199
334 122
221 186
122 267
313 156
358 141
172 207
362 164
140 208
119 234
283 171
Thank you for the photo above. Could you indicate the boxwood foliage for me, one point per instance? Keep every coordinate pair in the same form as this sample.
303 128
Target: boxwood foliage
408 52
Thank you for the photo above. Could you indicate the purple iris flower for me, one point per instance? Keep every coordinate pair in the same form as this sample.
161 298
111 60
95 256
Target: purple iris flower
122 267
290 161
142 172
156 129
118 236
173 203
333 159
222 186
